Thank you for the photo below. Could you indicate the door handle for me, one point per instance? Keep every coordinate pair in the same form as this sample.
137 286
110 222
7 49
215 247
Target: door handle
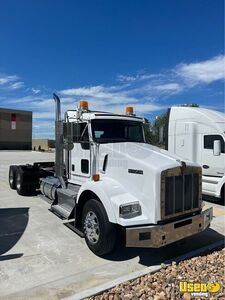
205 167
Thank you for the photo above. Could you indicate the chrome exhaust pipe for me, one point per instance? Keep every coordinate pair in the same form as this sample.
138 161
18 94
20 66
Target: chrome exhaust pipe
57 108
59 157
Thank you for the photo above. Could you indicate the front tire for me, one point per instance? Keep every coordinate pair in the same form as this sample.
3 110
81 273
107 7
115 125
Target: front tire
100 234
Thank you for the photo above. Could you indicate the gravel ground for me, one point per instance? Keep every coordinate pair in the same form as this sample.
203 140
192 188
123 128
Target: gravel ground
164 284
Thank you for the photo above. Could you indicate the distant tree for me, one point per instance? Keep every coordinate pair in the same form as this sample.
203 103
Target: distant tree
159 129
152 130
160 120
149 137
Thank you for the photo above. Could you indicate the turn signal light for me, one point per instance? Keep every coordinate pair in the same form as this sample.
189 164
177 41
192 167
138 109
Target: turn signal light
96 177
129 110
84 104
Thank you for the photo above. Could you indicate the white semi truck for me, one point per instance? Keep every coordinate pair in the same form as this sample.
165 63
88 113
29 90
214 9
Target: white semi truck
107 180
198 134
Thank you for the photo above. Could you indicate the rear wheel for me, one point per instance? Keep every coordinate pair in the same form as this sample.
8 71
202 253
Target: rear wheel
12 177
100 234
20 187
24 186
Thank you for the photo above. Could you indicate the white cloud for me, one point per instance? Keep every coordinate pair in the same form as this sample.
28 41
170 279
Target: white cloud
123 78
101 94
97 91
145 91
139 77
10 82
35 91
16 85
164 88
39 129
168 87
203 72
5 79
44 115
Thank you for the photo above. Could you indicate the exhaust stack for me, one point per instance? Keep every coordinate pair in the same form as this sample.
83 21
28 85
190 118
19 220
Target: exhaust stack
59 157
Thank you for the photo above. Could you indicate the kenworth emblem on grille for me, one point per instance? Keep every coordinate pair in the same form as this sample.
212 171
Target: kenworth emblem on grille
183 167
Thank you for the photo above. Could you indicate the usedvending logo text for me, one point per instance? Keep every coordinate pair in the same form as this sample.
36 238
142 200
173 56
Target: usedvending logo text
199 289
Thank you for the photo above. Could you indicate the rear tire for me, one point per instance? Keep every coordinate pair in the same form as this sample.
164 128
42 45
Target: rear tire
100 234
24 187
12 177
20 187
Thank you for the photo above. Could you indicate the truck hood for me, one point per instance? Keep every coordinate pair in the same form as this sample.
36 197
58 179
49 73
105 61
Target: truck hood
144 154
134 172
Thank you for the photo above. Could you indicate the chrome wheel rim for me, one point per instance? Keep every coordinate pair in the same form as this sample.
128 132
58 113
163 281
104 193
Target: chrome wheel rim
91 227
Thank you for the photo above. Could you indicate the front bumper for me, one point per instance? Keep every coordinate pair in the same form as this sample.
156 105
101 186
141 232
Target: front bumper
157 236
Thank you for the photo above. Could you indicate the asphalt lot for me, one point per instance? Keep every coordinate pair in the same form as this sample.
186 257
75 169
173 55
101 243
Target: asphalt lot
40 258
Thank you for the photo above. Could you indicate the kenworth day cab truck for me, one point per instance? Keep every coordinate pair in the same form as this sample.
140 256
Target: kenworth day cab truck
106 180
198 134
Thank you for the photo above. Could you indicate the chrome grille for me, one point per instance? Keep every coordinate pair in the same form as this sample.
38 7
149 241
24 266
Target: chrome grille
180 191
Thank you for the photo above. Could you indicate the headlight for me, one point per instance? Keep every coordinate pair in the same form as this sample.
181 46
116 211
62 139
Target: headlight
130 210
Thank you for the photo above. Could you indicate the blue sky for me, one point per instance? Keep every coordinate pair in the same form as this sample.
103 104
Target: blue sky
147 53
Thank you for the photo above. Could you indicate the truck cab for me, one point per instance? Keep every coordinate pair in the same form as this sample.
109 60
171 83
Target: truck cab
108 182
198 134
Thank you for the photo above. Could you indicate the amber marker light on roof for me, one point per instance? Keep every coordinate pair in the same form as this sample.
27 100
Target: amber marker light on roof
129 110
83 104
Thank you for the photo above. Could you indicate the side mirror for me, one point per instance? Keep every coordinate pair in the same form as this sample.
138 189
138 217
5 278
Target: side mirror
68 136
217 148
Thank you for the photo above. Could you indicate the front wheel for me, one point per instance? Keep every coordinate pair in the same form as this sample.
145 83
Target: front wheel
100 234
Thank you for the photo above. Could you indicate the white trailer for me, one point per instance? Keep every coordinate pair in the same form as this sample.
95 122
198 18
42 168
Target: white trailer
198 134
107 180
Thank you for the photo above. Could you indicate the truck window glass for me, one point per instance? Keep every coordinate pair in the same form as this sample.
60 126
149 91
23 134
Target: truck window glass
209 140
85 166
84 137
116 131
80 132
80 135
76 132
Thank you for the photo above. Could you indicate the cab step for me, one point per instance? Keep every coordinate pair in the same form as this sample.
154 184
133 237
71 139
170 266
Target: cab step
65 203
72 225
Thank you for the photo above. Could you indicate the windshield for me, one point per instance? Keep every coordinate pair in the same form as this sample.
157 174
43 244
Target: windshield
117 131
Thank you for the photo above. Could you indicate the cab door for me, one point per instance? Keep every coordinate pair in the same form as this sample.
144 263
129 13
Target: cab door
80 156
212 165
